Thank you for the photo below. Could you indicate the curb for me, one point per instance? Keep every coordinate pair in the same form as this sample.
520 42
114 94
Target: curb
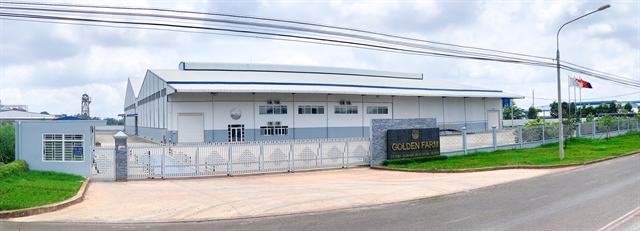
47 208
504 167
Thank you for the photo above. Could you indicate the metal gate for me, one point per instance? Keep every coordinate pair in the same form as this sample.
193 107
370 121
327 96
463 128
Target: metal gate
207 159
103 165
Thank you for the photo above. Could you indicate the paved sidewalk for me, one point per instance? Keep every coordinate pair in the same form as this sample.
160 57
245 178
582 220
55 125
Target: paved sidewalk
198 199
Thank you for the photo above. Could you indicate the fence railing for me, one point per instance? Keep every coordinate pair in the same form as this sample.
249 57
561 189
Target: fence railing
528 136
208 159
103 164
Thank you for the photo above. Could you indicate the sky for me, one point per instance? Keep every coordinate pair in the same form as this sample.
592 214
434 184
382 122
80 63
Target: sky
48 66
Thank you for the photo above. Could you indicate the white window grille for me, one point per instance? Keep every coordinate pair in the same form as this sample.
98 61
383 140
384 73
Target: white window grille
274 130
62 147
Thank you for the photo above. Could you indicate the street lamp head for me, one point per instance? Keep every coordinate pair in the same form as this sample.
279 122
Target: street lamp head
604 7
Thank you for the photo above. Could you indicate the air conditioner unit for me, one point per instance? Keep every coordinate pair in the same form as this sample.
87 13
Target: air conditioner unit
342 102
276 102
348 102
270 123
277 123
269 102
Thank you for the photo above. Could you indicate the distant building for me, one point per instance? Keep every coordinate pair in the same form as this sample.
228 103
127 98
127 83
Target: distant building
12 115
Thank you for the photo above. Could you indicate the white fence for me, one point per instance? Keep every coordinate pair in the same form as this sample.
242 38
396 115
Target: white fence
530 136
103 165
208 159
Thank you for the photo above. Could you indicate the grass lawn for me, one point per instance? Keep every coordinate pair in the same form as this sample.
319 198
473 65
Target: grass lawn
577 150
35 188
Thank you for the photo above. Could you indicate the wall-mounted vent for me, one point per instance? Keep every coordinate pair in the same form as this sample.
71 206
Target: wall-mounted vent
270 123
269 102
342 102
278 123
276 102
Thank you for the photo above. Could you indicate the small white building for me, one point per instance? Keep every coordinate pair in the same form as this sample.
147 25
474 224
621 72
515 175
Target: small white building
234 102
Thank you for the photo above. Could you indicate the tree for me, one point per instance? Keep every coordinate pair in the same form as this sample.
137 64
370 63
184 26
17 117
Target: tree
533 112
112 121
518 112
590 110
607 122
602 108
554 109
7 142
613 107
628 107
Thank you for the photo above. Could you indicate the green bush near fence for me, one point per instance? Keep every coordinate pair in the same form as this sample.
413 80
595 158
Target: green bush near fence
578 150
13 168
421 159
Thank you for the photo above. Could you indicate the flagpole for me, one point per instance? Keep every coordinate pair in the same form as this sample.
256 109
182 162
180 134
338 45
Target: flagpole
575 112
569 102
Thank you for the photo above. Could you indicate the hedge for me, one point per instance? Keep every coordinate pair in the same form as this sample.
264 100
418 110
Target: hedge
414 160
12 168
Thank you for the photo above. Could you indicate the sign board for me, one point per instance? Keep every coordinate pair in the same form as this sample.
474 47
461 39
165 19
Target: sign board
77 151
406 143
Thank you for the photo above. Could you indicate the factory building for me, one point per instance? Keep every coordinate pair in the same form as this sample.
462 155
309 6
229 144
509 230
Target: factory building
236 102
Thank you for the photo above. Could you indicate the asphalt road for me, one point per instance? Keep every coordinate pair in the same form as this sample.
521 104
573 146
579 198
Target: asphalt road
586 198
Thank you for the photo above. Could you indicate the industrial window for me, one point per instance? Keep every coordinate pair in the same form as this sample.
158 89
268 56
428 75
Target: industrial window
63 147
377 110
274 130
273 109
306 109
346 110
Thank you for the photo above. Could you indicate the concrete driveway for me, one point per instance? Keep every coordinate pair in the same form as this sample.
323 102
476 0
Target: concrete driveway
199 199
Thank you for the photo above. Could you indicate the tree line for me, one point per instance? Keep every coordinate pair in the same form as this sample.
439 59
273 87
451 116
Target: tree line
568 110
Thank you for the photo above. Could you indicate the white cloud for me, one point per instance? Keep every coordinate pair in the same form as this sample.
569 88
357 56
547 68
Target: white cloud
50 66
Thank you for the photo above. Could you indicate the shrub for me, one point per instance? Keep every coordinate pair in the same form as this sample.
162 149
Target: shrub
12 168
7 142
414 160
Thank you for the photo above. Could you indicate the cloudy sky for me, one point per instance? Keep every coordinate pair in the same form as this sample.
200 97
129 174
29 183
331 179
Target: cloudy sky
48 66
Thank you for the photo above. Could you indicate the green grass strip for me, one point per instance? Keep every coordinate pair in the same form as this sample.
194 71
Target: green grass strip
577 150
35 188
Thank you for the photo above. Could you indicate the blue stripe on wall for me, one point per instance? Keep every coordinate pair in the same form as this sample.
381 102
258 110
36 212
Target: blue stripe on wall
330 85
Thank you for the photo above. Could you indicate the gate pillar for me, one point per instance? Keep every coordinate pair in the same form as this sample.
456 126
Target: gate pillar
121 156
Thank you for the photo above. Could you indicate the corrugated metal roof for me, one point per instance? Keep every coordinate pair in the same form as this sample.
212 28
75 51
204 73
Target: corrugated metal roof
262 67
16 115
136 84
254 81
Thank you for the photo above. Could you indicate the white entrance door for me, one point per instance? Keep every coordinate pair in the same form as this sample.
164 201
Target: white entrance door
236 132
493 118
190 127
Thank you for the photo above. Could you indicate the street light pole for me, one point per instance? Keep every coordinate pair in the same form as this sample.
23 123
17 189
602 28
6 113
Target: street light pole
560 132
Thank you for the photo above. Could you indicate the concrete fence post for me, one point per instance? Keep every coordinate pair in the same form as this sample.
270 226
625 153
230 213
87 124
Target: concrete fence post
495 140
593 129
579 129
121 156
520 135
618 122
542 129
464 140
